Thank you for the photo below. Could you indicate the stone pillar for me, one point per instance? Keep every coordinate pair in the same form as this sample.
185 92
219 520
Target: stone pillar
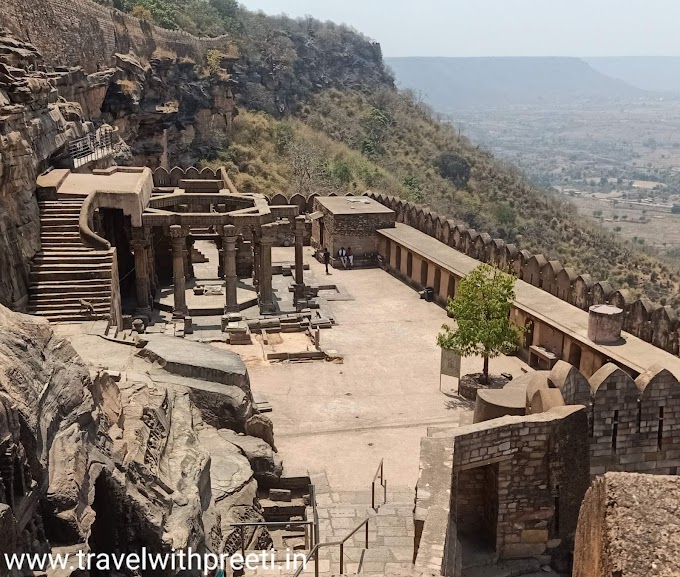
229 236
178 242
189 262
219 243
257 257
151 255
265 272
299 255
141 244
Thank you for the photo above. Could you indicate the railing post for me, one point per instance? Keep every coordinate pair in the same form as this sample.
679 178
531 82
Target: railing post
373 495
316 563
366 533
342 558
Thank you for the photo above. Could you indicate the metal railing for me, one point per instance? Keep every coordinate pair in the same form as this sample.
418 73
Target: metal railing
314 553
309 535
379 474
311 526
93 146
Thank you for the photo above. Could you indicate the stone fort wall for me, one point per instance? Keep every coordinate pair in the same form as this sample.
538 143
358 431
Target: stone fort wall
84 33
658 325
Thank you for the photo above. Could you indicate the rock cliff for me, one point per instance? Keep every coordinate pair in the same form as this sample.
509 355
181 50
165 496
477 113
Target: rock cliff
35 126
166 110
112 466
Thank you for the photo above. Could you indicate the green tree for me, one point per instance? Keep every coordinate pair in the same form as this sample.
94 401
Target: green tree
453 167
481 310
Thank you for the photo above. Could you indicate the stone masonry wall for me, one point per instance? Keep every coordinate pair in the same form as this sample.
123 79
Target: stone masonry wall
533 473
634 425
84 33
542 476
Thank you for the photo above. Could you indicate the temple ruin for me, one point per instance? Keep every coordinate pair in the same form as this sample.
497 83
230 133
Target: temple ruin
175 322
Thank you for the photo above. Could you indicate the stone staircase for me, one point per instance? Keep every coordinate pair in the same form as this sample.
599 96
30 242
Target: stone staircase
65 271
391 534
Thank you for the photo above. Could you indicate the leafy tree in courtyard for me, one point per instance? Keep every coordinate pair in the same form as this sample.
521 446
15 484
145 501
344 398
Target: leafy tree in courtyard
481 310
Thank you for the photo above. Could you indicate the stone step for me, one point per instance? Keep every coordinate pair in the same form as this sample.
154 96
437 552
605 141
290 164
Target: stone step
45 310
67 298
75 258
73 317
53 300
61 201
69 275
72 248
60 210
72 286
75 266
53 229
57 214
52 240
60 235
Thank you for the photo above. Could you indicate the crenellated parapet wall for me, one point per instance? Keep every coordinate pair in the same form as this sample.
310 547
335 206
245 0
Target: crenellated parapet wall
651 323
634 424
84 33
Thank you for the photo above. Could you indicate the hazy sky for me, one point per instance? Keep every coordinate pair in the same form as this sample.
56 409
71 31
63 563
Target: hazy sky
502 27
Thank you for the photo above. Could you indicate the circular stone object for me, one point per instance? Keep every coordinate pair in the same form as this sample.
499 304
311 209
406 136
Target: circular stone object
604 324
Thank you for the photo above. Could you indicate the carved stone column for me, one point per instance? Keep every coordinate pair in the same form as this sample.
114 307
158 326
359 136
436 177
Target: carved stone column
178 242
265 273
257 257
151 254
229 236
188 259
299 245
141 244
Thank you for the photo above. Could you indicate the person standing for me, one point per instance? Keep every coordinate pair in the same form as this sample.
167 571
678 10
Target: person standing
342 253
326 258
350 256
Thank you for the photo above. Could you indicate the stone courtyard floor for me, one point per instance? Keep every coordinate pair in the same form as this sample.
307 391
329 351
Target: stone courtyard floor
344 418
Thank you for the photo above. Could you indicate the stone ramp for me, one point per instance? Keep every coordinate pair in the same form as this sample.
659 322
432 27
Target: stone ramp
65 272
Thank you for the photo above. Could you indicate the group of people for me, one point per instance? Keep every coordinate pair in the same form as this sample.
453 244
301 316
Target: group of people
346 257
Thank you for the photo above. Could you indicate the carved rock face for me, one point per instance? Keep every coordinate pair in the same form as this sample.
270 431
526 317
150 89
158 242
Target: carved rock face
135 461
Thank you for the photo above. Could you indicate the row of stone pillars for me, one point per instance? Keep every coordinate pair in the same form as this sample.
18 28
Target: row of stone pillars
262 267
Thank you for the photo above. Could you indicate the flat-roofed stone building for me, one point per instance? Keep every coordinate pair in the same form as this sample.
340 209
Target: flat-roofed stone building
348 221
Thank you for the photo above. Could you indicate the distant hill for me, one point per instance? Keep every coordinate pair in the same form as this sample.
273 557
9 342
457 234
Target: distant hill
450 83
656 73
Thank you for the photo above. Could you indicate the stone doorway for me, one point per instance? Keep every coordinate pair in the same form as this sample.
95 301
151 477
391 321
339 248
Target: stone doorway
575 355
477 514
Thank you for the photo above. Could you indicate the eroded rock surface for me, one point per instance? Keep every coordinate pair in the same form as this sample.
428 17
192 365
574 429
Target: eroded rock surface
115 466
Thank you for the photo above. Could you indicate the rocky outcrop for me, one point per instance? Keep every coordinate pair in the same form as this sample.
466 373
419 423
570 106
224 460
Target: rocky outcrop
628 527
117 465
167 110
34 129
